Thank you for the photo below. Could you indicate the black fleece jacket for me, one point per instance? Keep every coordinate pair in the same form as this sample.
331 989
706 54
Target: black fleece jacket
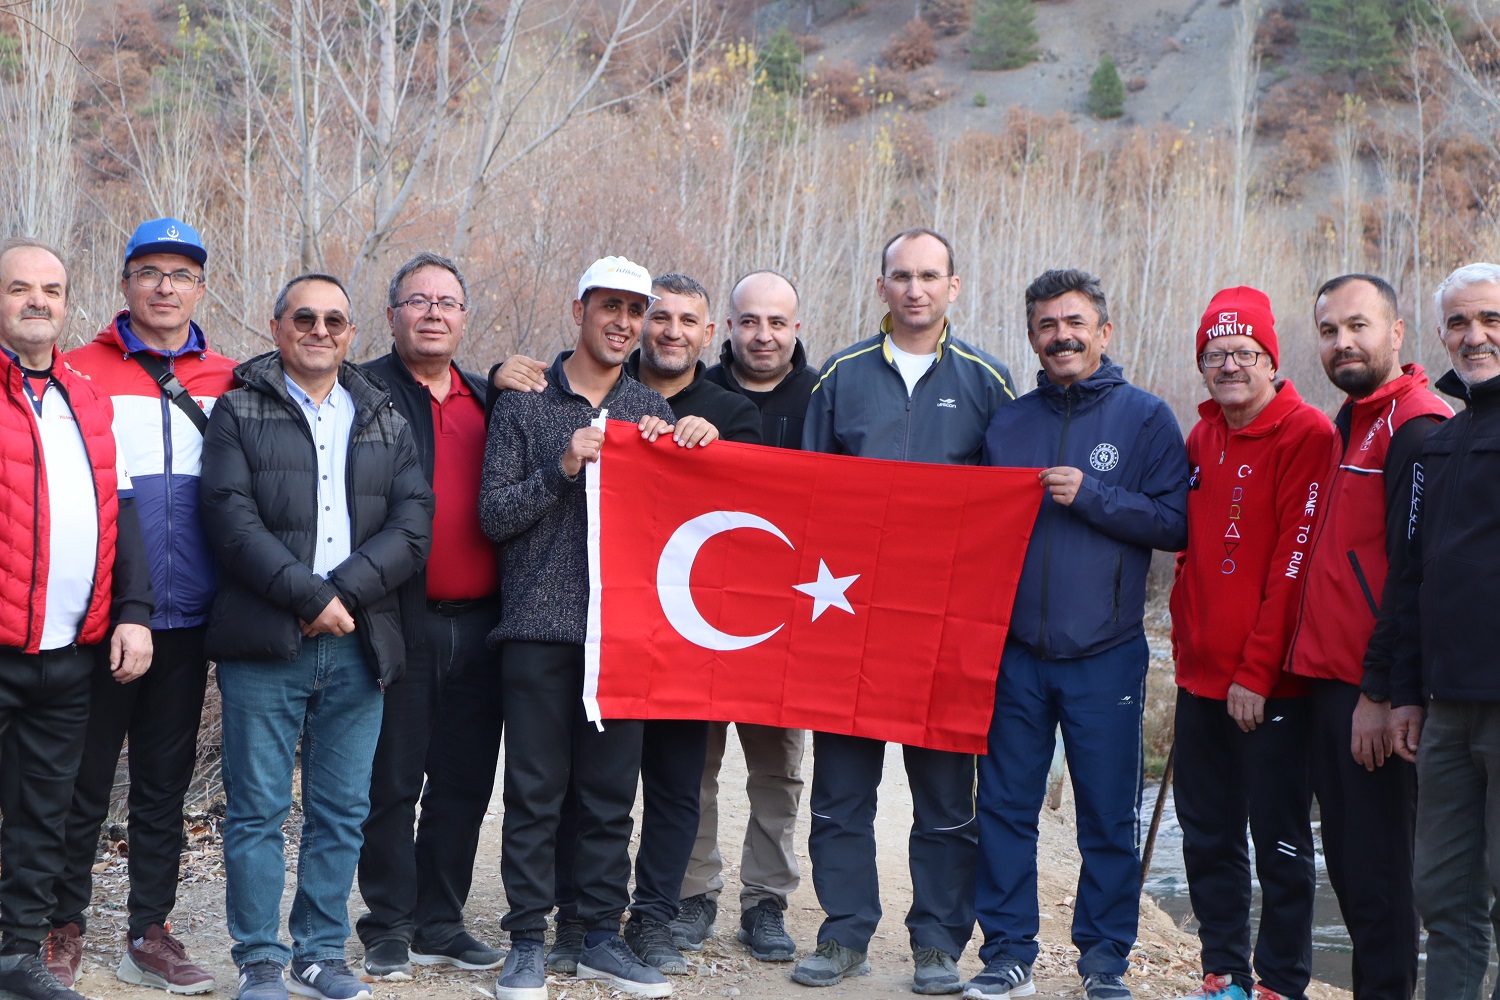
784 408
735 417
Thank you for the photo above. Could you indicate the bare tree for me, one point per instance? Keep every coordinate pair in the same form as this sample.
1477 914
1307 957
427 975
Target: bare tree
1244 76
38 184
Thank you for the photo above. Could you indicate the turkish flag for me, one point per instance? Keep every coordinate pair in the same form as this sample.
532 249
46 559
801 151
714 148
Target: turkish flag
742 583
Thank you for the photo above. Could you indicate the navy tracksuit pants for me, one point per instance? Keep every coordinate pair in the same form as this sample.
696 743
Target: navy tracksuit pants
1097 700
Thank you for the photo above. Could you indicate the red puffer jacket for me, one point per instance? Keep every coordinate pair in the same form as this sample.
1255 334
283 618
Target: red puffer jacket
24 528
1253 504
1346 569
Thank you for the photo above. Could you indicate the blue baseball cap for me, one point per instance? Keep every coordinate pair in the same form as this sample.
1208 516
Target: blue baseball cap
166 235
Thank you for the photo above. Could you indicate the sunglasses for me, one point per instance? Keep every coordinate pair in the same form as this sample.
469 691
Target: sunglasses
305 321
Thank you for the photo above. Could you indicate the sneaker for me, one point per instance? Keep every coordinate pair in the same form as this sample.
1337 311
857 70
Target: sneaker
388 959
63 954
936 972
614 963
762 929
1002 978
694 923
462 951
161 962
829 964
651 940
1218 988
567 947
25 977
261 981
329 979
1263 992
522 978
1105 986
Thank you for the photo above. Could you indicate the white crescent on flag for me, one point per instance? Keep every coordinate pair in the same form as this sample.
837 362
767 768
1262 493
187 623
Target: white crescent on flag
675 568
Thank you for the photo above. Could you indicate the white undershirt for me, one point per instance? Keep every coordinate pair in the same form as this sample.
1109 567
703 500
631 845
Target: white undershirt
73 515
911 366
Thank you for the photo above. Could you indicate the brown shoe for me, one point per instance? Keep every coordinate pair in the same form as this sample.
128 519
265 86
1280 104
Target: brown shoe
63 954
162 962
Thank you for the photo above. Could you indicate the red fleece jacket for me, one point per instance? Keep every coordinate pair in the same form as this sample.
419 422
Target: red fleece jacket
1253 501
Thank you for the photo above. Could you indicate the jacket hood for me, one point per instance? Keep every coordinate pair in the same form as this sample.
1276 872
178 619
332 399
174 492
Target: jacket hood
1480 393
726 360
1089 390
121 337
1266 421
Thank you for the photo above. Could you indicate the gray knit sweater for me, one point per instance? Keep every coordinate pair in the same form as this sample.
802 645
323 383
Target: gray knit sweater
540 514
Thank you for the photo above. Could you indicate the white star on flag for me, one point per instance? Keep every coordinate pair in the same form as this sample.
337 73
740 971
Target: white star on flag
827 591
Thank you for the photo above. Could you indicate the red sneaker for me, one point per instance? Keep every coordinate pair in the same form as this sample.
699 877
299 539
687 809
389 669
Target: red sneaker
63 954
162 962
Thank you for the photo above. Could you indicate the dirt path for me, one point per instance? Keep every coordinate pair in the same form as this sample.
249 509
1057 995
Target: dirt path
1163 964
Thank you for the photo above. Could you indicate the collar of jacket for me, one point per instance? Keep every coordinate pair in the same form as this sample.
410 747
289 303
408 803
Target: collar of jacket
1106 376
559 377
1266 421
119 335
726 361
264 373
1412 379
14 370
633 369
402 374
887 325
1478 395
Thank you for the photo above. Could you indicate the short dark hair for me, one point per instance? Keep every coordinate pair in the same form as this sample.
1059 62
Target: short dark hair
1378 283
796 295
919 231
1060 281
425 258
680 284
24 242
280 306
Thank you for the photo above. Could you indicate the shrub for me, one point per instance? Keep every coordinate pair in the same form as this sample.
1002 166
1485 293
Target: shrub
981 101
1004 35
1106 90
911 48
948 17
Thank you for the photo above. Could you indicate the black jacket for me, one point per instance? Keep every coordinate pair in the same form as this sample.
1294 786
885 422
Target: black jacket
784 408
1452 562
259 490
414 402
733 415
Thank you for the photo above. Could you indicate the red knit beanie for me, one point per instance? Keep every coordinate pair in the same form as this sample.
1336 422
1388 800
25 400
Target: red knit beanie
1245 311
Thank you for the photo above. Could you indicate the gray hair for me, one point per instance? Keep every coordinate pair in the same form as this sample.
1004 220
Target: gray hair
1465 277
680 284
425 258
24 242
1058 282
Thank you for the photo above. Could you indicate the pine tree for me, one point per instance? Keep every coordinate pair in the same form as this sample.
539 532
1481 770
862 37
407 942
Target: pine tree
1106 89
781 62
1004 34
1351 36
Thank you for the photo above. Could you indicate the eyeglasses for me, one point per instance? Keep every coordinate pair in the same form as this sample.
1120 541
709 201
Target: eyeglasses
1216 359
305 321
907 277
422 303
150 277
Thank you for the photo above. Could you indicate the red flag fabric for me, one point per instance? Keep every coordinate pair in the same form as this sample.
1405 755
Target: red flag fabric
742 583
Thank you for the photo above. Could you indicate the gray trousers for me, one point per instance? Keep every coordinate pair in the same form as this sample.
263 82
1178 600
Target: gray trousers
1458 844
768 861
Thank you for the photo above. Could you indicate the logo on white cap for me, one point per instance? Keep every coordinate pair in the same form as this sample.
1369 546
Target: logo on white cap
618 273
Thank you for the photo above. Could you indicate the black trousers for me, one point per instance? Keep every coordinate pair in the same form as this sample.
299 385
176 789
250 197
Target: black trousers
1369 829
549 742
44 713
159 713
1226 778
673 752
391 877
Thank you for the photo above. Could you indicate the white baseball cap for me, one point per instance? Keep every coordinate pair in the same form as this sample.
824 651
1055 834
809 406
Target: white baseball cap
617 273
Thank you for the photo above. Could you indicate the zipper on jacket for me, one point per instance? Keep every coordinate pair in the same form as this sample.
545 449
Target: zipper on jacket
1062 447
781 431
1364 585
1119 567
36 531
165 605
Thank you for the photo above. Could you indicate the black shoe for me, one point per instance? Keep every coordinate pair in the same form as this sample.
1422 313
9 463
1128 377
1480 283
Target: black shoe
567 947
25 977
694 923
651 940
461 951
388 960
615 964
762 929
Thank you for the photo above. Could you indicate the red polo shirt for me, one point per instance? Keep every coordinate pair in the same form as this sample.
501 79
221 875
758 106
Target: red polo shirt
463 565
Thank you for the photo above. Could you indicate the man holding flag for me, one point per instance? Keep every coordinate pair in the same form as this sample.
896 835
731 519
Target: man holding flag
912 392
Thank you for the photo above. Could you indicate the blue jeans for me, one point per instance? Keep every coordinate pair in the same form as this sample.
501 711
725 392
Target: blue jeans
1098 701
328 696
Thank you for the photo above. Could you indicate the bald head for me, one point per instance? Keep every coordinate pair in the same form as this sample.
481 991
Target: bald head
763 329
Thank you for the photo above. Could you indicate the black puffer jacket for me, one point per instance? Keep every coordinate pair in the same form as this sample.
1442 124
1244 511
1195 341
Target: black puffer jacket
259 490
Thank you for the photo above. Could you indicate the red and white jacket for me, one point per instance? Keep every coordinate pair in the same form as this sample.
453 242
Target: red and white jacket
1346 568
1253 504
24 527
